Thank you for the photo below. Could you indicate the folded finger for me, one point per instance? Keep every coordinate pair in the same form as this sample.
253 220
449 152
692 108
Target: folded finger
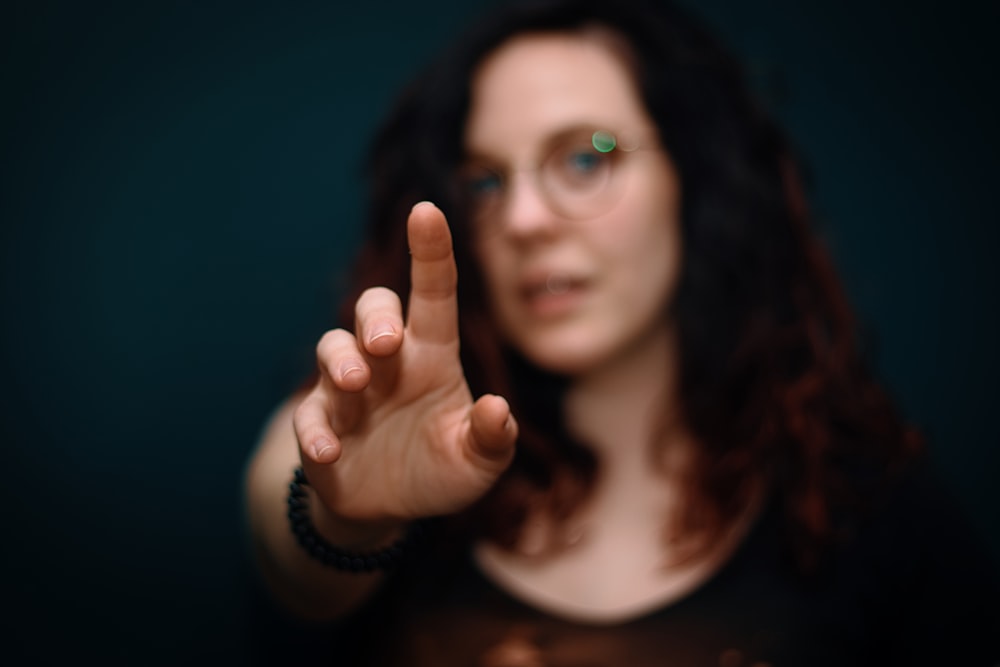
317 440
341 361
378 317
492 433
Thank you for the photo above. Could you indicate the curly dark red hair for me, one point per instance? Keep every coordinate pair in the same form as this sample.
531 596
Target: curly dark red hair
772 382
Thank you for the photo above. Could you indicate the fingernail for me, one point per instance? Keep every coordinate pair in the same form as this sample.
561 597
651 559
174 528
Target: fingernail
320 449
349 368
381 331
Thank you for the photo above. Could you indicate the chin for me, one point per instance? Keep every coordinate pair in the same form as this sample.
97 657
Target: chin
571 358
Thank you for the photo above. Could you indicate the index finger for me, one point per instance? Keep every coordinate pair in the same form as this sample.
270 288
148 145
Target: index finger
432 313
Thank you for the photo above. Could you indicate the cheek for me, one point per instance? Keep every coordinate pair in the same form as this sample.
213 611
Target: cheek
646 285
647 257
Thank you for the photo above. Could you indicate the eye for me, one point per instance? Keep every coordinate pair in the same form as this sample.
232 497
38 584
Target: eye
481 183
583 161
578 167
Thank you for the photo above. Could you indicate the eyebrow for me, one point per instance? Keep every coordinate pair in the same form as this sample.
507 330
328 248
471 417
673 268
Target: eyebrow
549 142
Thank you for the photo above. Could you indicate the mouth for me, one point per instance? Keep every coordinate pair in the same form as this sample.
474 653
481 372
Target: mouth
556 284
552 294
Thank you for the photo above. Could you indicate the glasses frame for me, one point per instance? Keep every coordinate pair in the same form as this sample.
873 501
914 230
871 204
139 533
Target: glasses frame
617 146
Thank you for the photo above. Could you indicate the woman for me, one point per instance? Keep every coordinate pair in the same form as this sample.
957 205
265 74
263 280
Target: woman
630 401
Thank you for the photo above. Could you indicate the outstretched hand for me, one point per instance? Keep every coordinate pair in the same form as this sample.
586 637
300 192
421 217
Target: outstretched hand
390 431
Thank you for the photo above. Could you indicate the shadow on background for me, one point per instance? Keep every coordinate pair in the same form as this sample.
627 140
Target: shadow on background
180 191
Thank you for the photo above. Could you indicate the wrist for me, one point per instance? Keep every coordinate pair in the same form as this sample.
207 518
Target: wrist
357 534
350 558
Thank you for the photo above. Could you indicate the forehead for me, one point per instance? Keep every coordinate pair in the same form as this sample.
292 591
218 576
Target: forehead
536 86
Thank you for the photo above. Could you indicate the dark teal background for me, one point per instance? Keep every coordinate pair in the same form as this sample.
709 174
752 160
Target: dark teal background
179 190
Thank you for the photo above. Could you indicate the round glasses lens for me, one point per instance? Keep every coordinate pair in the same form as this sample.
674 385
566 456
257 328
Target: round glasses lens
577 173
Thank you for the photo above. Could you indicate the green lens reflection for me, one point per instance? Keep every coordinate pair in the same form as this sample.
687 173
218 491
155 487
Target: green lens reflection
604 142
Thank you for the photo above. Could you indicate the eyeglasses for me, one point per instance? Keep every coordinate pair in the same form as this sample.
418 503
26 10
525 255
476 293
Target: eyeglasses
579 176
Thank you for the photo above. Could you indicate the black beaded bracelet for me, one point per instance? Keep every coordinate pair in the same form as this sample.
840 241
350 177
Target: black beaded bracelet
341 559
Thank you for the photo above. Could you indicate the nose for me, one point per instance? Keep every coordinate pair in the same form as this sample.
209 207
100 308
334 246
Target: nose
526 212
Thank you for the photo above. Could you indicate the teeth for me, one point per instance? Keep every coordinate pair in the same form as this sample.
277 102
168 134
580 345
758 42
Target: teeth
557 285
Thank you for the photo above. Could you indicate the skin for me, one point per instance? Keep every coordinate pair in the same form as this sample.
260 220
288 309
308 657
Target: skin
391 431
613 273
608 329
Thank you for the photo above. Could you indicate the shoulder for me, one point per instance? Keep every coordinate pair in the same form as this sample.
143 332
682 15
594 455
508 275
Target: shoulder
926 572
919 510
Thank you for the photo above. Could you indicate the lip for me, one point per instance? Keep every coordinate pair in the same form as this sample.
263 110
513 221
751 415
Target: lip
551 294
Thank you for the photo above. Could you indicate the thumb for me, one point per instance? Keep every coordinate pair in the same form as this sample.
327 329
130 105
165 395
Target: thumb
492 433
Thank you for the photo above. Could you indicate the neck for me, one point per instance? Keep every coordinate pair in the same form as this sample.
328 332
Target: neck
618 408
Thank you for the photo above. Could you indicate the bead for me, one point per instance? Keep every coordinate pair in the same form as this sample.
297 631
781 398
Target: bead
330 555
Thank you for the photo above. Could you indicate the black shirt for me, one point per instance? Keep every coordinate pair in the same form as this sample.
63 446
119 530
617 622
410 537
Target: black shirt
913 587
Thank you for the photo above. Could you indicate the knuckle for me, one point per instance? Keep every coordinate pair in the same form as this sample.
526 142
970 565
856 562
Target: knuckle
378 293
330 342
376 300
302 415
309 421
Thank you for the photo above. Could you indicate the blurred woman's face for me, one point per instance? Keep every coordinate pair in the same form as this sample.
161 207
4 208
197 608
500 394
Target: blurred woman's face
575 204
